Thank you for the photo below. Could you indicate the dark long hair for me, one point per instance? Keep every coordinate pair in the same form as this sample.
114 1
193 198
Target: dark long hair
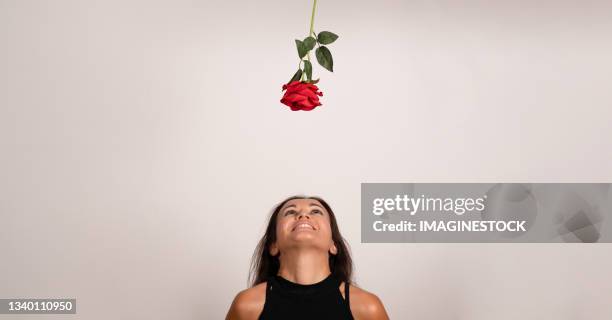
264 265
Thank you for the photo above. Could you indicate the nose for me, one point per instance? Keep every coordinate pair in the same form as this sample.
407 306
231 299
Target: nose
303 214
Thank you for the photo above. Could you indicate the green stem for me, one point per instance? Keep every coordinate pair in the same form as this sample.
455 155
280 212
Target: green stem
300 68
314 8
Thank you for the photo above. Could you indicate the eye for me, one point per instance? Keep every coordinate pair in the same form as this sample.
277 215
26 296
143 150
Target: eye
288 212
317 211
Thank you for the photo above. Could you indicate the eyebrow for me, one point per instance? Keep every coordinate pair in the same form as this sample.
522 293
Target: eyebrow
312 204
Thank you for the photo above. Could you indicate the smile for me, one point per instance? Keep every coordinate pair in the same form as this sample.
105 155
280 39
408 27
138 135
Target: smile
303 226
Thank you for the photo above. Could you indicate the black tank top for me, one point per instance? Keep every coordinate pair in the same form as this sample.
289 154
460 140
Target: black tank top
321 301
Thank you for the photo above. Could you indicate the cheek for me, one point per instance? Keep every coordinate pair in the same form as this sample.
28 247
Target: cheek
281 226
325 227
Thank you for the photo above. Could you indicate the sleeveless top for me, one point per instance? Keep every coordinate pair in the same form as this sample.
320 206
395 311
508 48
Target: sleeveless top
320 301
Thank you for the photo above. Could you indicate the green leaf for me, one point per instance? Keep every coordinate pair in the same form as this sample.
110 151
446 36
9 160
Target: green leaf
297 76
326 37
300 48
309 43
308 69
324 57
313 81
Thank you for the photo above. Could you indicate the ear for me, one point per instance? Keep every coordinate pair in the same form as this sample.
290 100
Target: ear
333 250
273 249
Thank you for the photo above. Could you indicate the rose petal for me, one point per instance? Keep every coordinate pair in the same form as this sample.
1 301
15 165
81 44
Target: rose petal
295 97
307 93
293 89
291 84
294 83
306 104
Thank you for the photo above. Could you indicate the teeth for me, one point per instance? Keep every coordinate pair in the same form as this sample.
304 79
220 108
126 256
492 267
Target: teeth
304 226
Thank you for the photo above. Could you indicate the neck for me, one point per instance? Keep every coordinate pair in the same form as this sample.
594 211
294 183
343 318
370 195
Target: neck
304 266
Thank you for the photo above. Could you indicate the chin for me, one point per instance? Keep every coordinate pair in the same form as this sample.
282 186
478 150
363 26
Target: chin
303 236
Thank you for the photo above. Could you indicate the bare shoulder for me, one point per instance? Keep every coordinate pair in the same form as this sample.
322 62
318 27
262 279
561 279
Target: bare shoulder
248 303
365 305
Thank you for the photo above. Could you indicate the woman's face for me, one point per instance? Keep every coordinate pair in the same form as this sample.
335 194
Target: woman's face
303 223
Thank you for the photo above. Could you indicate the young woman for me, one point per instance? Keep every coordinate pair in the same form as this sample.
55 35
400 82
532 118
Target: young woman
302 268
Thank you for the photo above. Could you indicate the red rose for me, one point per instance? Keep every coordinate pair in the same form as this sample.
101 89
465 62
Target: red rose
301 96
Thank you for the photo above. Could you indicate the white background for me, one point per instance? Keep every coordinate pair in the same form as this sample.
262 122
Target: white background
143 145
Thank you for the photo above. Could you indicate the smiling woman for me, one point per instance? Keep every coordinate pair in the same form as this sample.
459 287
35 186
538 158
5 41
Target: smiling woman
302 269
